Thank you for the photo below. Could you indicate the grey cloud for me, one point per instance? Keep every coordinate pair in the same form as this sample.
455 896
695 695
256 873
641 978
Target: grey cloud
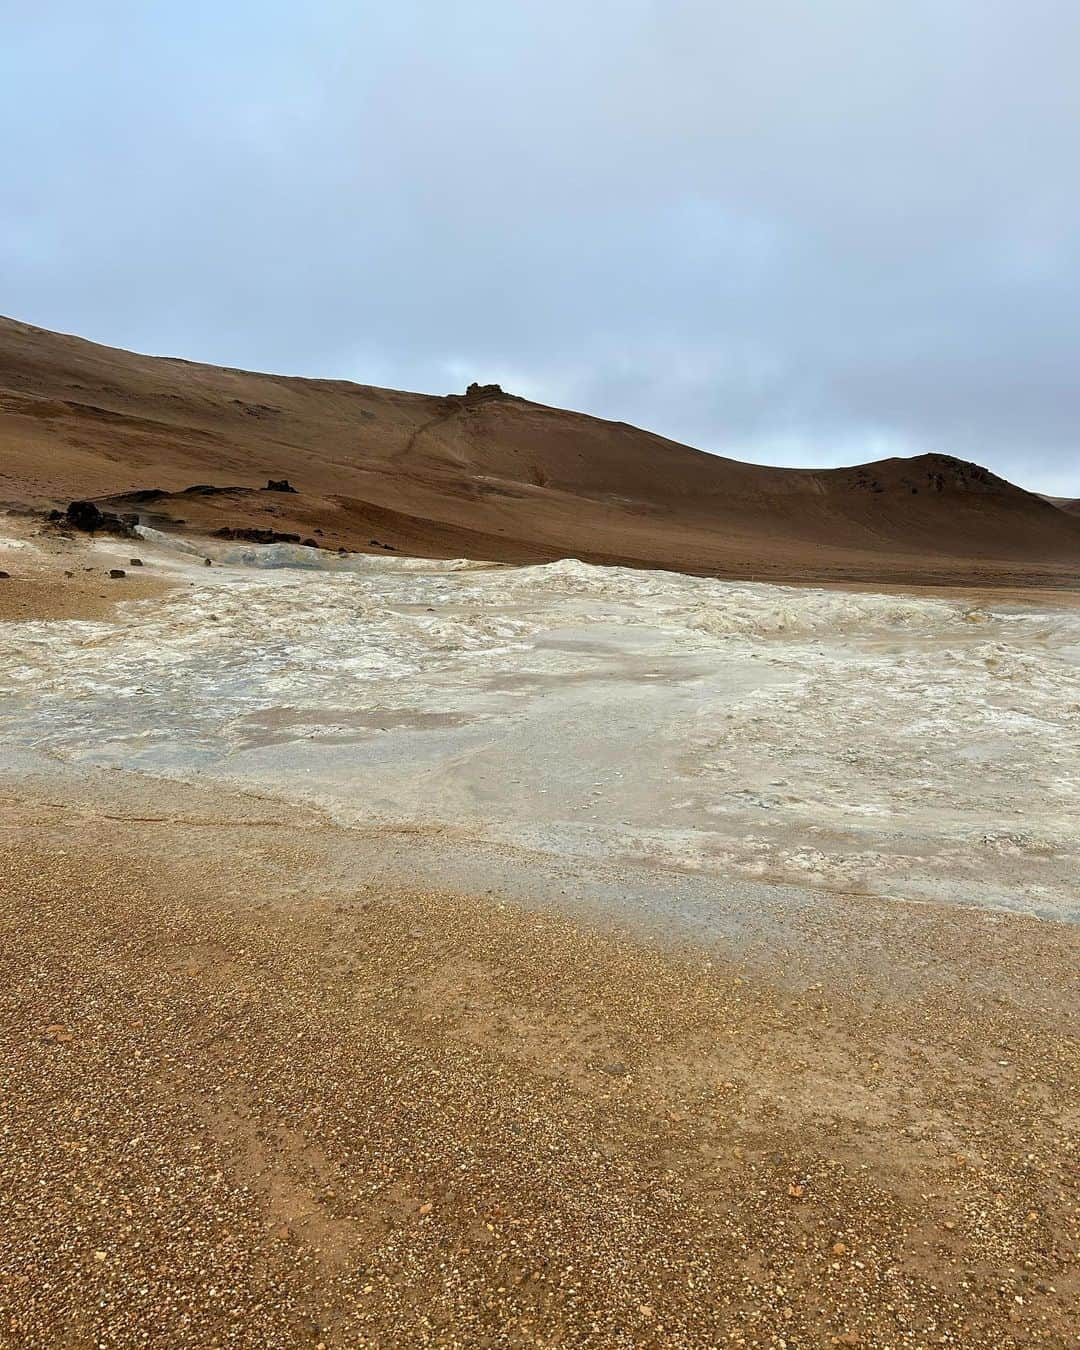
801 233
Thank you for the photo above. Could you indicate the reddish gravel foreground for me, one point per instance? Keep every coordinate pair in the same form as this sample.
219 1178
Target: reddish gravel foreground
238 1113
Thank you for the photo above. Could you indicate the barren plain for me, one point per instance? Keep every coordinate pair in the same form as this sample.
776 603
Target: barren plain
404 951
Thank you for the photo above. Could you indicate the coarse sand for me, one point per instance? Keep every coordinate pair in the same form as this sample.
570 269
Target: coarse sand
247 1100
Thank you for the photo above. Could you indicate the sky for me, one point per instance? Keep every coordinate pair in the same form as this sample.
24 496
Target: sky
806 232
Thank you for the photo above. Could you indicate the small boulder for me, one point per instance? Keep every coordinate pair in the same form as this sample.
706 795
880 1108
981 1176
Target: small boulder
278 485
615 1069
116 572
5 576
135 562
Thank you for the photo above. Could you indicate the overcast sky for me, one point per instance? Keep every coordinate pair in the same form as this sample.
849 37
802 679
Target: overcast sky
795 231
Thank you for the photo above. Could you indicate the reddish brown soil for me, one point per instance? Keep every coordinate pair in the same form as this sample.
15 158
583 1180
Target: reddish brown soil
491 476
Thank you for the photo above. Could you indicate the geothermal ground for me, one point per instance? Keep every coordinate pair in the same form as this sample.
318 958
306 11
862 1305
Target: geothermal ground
403 952
913 747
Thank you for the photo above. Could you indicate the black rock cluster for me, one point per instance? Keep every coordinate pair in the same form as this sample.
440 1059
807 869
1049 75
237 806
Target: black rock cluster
91 519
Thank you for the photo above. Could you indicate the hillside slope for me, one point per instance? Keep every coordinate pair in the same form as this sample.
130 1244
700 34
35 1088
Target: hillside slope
487 475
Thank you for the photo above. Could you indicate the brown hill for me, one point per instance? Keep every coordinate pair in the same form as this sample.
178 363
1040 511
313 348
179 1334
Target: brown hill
487 475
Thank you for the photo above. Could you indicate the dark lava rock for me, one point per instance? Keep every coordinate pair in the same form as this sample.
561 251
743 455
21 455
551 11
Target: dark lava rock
135 562
145 495
90 518
84 516
310 543
5 576
477 392
207 490
116 572
278 485
255 409
255 536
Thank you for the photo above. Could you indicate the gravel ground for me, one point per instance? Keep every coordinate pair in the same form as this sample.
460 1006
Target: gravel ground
53 577
242 1105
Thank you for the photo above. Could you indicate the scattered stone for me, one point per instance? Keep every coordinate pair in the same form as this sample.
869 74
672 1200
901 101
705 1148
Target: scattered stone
207 562
117 572
616 1069
5 576
279 485
135 562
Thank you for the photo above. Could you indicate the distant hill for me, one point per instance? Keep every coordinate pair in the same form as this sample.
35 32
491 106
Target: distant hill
485 474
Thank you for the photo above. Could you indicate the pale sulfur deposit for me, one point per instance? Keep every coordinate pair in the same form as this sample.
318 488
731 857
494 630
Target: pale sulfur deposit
913 747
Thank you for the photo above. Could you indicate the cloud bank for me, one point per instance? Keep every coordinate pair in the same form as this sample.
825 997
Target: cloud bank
789 232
